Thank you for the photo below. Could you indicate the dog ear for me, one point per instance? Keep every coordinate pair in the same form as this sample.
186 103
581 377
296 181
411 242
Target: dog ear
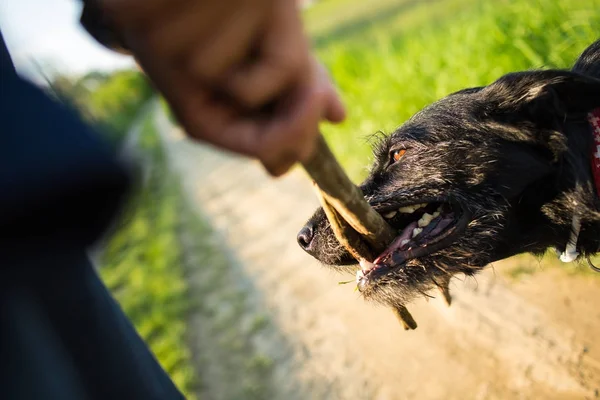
545 97
520 166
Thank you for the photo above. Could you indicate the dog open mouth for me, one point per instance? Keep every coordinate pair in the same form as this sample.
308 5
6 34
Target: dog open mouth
424 228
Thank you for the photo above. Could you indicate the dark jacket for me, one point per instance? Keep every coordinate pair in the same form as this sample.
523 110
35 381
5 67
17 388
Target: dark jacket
62 336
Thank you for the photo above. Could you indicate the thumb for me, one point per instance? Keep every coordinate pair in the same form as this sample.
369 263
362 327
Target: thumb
333 108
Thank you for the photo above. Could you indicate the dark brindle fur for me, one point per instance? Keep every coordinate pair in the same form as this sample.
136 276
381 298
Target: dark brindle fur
512 158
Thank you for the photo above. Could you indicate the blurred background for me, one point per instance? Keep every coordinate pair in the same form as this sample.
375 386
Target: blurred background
205 259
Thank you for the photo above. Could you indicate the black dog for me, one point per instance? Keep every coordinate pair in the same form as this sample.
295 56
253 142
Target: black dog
481 175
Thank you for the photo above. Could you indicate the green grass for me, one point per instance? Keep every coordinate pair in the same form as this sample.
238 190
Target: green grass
391 58
338 16
142 266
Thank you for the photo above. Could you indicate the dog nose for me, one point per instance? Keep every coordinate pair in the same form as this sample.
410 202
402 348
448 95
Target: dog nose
306 236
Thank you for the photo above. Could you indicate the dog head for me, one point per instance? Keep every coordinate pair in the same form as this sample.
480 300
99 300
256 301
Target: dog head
481 175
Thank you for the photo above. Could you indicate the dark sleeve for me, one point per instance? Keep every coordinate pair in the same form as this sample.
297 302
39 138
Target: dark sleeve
60 183
99 25
63 337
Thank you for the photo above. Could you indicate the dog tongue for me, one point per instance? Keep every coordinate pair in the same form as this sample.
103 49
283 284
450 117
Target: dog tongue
397 243
442 224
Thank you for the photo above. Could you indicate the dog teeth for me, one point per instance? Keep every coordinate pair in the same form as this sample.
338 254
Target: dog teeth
416 232
436 214
411 209
425 220
404 242
391 214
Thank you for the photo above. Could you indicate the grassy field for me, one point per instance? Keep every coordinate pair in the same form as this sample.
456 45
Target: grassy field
142 265
392 57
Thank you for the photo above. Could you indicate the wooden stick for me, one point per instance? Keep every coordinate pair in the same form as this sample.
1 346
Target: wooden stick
407 320
347 199
356 225
344 233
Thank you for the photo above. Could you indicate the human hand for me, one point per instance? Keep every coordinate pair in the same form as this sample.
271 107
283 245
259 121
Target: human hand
237 73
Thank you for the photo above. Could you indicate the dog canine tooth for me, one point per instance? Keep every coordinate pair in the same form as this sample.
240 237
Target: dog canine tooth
391 214
416 232
405 241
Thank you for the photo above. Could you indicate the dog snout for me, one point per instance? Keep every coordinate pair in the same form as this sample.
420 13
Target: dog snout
306 236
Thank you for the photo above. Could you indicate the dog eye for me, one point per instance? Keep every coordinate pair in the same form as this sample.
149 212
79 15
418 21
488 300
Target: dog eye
396 155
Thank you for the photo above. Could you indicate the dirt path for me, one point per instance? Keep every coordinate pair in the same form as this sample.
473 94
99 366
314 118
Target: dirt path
538 338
